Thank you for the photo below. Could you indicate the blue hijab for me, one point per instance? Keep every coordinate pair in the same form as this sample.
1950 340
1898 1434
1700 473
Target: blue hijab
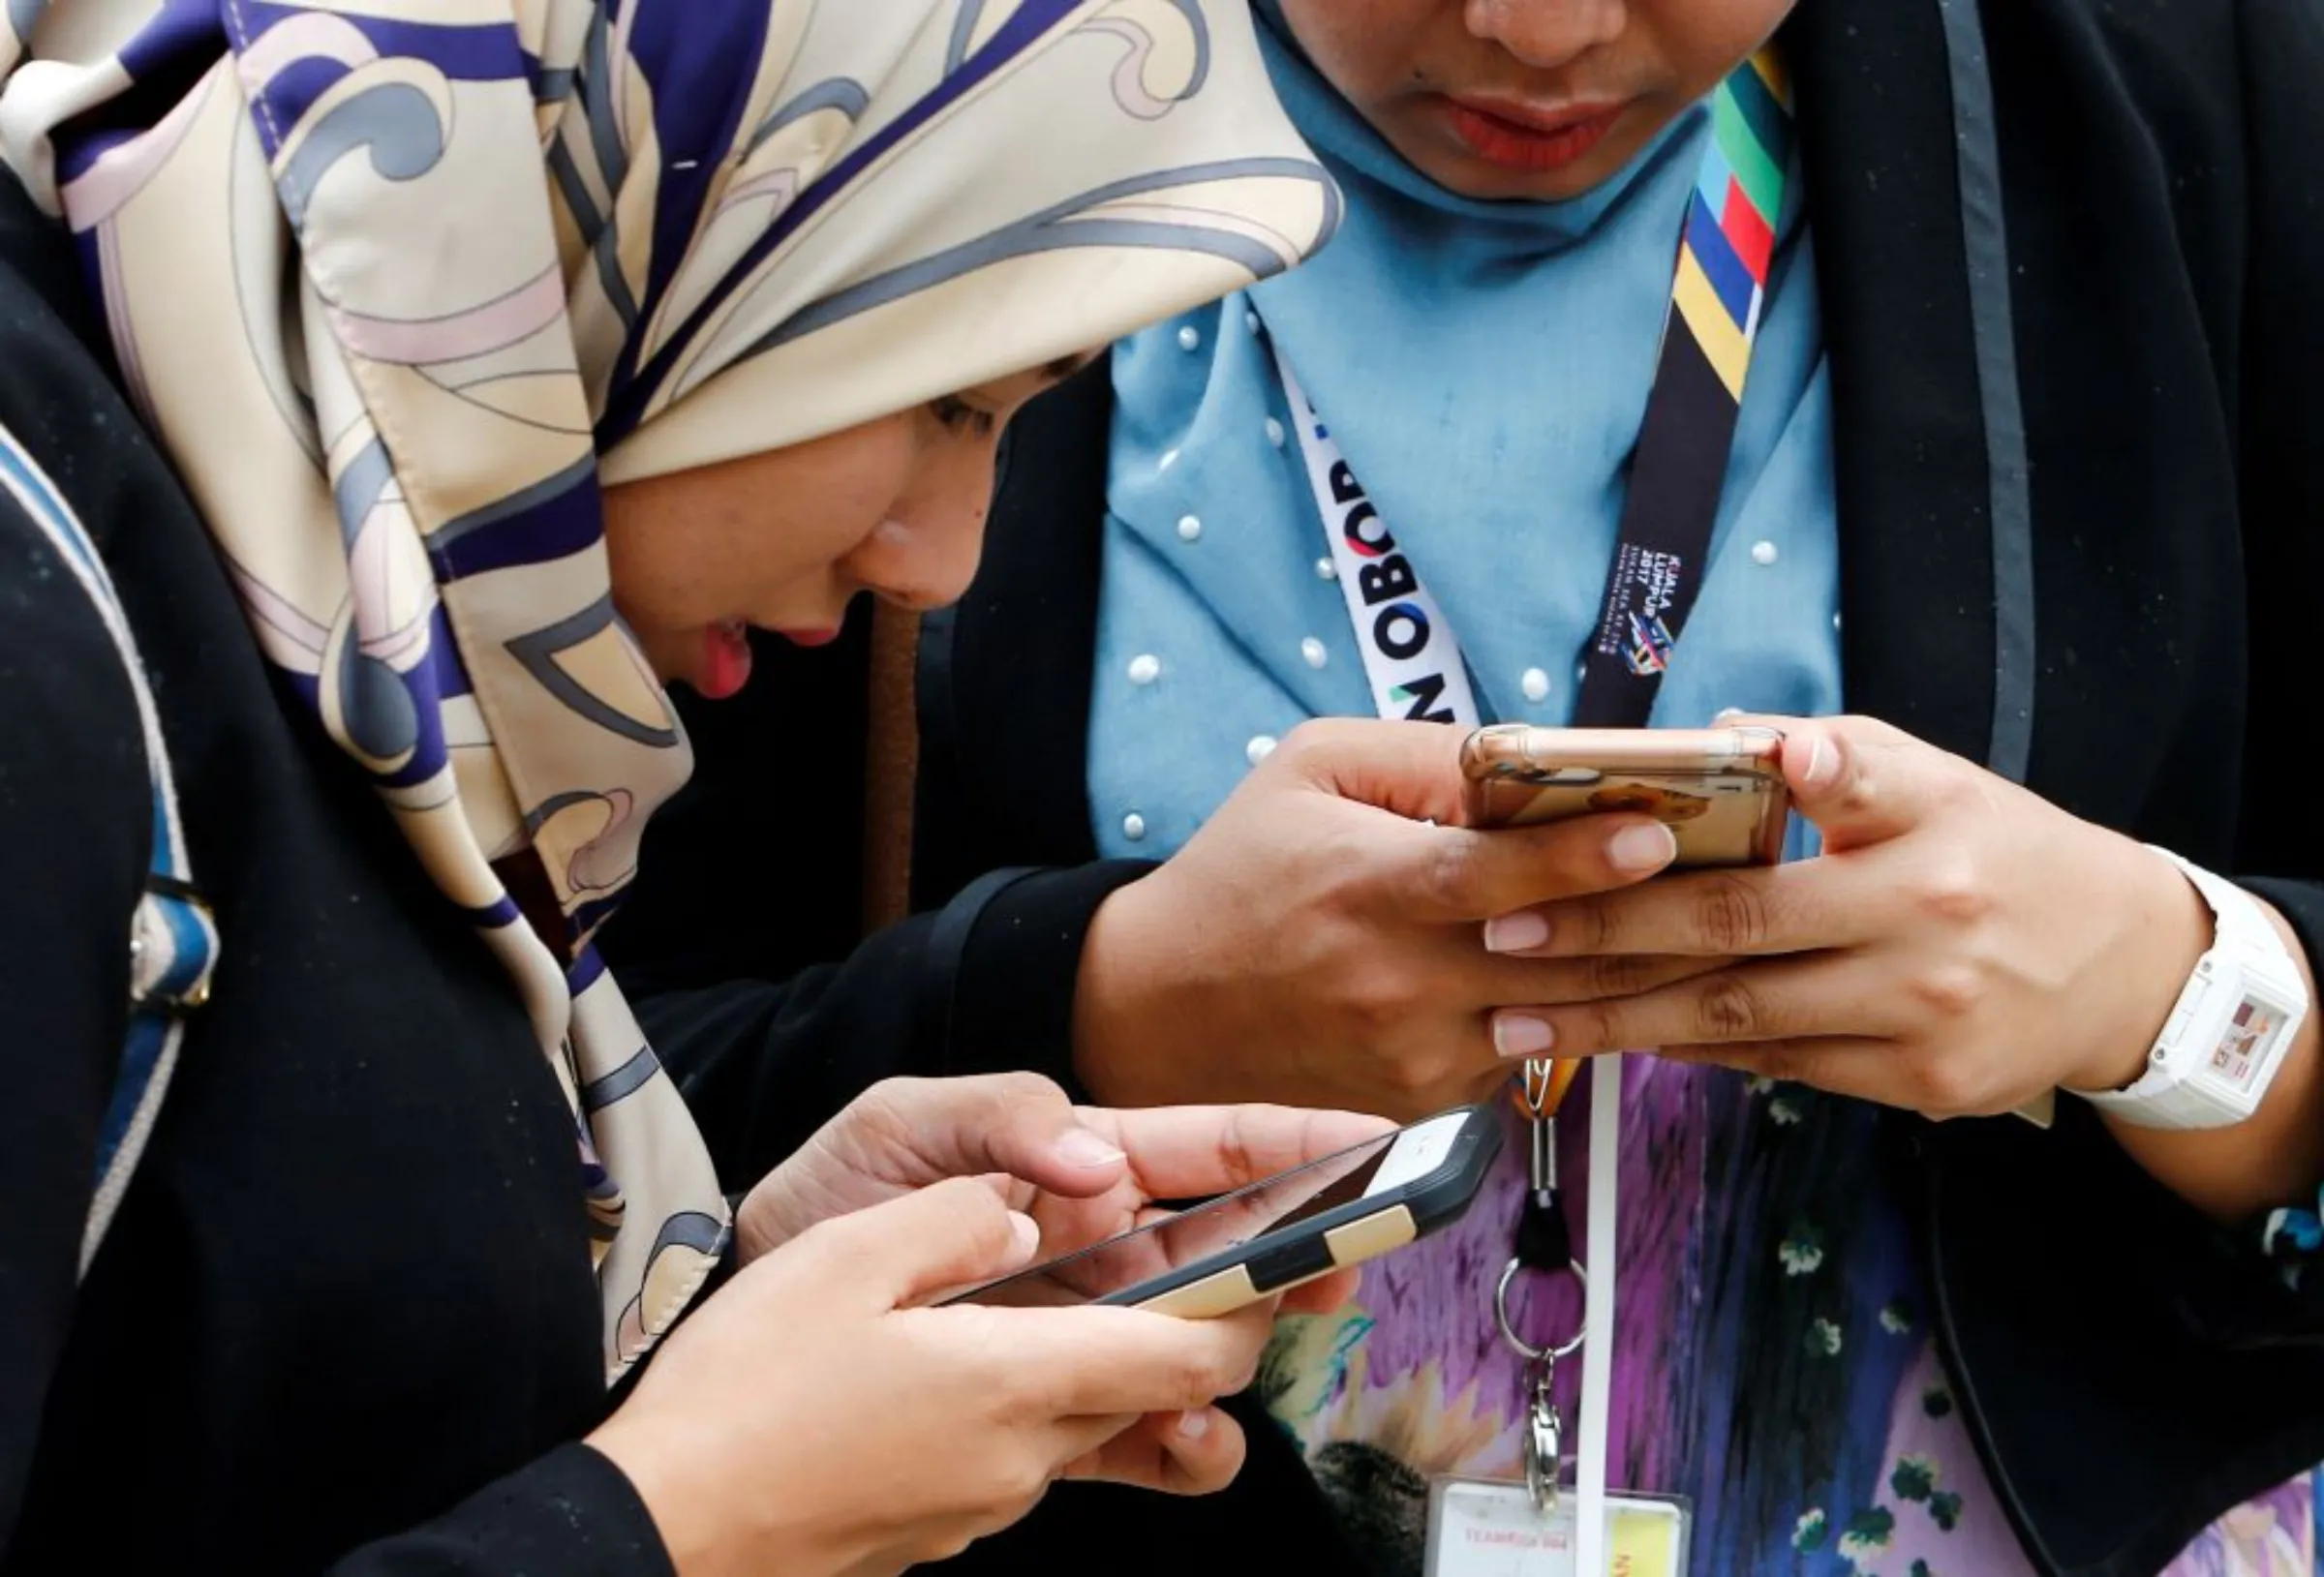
1486 367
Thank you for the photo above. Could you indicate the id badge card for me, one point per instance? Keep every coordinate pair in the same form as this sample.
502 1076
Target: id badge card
1482 1528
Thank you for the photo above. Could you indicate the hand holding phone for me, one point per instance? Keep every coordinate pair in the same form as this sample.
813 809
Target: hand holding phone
895 1433
1332 911
1277 1234
1721 791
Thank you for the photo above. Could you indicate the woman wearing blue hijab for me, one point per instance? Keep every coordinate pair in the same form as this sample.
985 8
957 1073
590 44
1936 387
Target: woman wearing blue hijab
1976 345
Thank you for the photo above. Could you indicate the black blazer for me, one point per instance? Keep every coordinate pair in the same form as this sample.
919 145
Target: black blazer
2066 249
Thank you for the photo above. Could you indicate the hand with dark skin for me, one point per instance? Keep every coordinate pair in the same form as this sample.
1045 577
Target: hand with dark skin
1959 947
1317 941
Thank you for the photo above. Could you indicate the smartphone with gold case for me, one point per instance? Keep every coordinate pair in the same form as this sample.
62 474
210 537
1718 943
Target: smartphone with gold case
1721 791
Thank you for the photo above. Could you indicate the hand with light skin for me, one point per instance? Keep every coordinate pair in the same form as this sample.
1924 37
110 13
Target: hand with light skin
1961 946
1083 1174
818 1417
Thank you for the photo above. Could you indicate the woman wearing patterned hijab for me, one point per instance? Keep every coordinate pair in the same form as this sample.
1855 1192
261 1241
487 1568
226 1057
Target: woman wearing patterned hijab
516 356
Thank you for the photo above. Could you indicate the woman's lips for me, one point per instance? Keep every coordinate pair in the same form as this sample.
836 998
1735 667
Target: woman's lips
1516 137
726 657
725 661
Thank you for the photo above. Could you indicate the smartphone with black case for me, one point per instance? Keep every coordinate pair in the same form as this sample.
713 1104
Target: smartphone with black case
1267 1238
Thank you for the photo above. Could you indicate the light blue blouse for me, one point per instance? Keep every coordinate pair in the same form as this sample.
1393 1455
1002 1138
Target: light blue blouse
1485 368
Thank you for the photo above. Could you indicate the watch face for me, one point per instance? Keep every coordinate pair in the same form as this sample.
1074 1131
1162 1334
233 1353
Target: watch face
2244 1041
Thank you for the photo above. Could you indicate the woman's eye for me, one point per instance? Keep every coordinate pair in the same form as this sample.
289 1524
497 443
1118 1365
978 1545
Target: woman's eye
959 416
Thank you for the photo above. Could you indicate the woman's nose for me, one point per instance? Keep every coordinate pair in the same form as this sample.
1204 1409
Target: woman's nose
1546 34
926 558
942 566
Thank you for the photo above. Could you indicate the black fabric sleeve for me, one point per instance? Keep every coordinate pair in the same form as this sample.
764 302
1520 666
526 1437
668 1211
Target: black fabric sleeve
74 815
2079 1298
571 1512
77 813
1013 1004
982 986
2139 1241
2281 833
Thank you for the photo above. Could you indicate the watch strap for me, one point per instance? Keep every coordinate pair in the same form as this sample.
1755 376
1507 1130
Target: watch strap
2170 1094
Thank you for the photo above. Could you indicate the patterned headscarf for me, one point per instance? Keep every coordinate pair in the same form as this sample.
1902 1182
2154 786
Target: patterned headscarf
401 284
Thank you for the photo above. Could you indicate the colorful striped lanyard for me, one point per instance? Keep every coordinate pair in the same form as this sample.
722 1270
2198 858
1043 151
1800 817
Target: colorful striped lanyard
1411 656
1680 467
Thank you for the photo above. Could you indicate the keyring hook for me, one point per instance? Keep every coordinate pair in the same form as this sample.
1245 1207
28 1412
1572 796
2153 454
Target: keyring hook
1540 1076
1509 1329
1544 1446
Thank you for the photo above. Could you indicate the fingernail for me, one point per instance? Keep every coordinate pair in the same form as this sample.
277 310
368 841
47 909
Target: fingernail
1824 764
1648 847
1728 713
1515 933
1194 1423
1520 1035
1026 1233
1078 1147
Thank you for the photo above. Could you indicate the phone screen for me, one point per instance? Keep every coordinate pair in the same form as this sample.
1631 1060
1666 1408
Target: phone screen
1230 1220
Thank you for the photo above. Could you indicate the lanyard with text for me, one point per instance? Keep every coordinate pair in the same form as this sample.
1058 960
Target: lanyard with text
1416 670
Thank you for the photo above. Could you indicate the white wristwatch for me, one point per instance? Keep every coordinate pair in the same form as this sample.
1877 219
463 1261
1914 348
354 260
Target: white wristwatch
2240 1009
